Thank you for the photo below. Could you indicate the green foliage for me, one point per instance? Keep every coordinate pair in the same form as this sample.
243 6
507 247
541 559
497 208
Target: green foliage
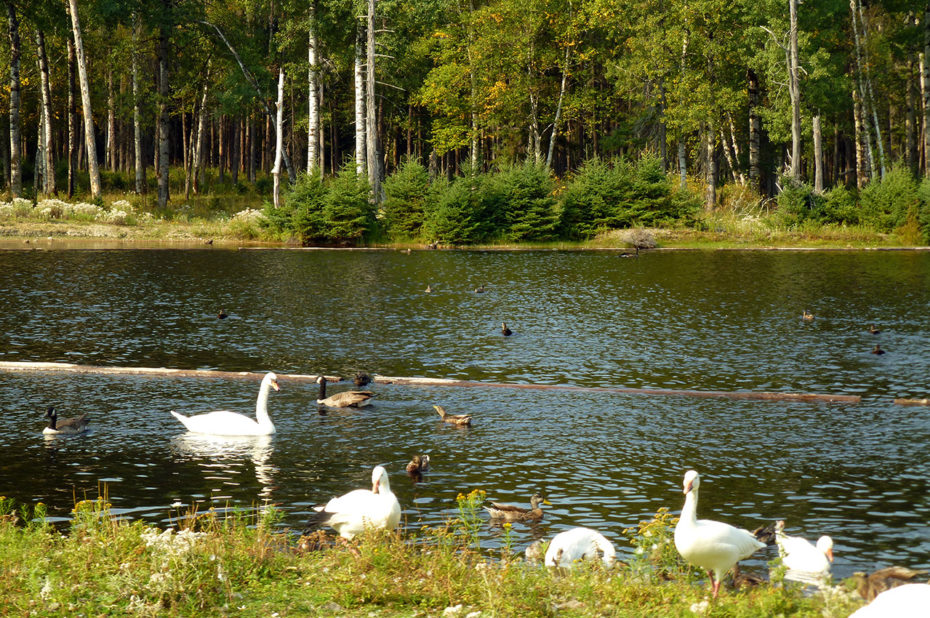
887 203
460 214
654 553
406 192
522 194
840 206
797 203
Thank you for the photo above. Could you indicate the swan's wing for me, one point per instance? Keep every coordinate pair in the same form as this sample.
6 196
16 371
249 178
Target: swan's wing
742 541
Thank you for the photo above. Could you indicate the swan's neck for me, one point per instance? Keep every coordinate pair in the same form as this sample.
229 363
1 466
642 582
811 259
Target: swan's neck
261 406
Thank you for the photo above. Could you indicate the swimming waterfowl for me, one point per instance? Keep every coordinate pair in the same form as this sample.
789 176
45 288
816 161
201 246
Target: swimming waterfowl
419 463
877 349
505 331
428 289
807 315
226 423
65 426
509 512
479 289
361 379
222 314
874 330
351 513
455 419
799 554
576 544
871 585
711 545
345 399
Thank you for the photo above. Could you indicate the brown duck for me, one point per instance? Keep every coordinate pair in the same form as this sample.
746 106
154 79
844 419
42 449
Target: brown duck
509 512
456 419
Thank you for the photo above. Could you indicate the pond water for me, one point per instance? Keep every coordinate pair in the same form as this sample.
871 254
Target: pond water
679 320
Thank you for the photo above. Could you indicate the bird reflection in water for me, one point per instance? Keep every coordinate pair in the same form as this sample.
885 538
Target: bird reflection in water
224 457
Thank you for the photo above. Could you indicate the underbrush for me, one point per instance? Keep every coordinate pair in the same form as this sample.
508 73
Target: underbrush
241 562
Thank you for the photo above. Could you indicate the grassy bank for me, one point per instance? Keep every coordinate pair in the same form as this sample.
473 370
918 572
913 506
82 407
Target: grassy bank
239 564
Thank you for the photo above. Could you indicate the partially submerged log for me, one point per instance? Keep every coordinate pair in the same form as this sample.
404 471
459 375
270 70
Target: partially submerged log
15 366
912 402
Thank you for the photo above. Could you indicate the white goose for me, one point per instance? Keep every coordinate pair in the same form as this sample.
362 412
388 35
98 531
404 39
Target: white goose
907 601
707 544
352 513
226 423
577 544
798 554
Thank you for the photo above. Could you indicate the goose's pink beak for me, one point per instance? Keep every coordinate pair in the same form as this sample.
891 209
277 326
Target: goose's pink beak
274 385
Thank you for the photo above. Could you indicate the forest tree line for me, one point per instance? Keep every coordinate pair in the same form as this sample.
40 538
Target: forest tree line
755 93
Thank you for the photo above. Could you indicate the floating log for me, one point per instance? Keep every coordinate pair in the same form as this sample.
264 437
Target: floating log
912 402
15 366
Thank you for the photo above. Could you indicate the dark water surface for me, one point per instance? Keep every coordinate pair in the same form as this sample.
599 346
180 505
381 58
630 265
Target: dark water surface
691 320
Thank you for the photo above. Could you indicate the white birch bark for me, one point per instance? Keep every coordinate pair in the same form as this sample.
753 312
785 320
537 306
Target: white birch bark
794 90
48 163
110 156
72 120
863 98
197 146
871 93
925 89
313 89
360 135
137 117
89 141
279 140
818 155
164 141
16 158
373 141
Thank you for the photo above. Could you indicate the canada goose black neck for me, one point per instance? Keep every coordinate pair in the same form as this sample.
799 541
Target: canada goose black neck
52 417
322 382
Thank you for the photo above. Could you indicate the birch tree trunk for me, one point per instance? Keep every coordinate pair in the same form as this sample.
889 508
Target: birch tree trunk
360 137
279 140
164 142
72 120
794 89
728 155
861 173
755 130
871 93
373 140
558 115
89 140
197 146
110 156
16 162
818 155
313 102
682 164
137 117
925 86
44 82
863 97
911 125
711 196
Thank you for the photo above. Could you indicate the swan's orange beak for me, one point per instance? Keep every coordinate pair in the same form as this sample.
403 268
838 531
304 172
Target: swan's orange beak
274 385
830 555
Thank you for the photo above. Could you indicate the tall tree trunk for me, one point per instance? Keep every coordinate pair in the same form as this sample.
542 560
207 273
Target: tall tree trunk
755 130
72 119
197 145
794 89
313 89
89 139
863 97
164 126
911 126
818 155
49 164
373 141
16 157
558 114
682 164
711 195
360 136
279 139
137 116
111 124
861 162
870 92
731 163
925 87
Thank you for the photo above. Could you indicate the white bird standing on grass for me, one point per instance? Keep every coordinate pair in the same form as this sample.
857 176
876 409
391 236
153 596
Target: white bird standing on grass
707 544
226 423
352 513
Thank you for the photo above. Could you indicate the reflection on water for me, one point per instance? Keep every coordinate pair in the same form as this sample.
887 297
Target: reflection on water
707 321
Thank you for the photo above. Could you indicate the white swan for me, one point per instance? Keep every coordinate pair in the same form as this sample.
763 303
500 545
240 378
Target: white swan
799 554
352 513
707 544
345 399
65 426
576 544
226 423
907 601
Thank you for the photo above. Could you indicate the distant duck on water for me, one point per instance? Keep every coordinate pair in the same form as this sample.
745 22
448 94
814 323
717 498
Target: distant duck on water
807 315
505 331
877 349
65 426
874 330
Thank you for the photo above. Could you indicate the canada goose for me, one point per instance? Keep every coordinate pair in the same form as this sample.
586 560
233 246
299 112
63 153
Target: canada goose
222 314
345 399
874 330
707 544
505 331
226 423
509 512
361 379
455 419
419 463
65 426
351 513
807 315
877 349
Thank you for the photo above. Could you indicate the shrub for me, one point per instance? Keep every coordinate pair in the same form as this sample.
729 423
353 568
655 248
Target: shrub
348 214
886 203
840 206
406 192
797 203
461 212
522 194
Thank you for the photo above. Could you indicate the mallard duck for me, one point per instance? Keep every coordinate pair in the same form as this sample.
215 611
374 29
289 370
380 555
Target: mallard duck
352 513
505 331
707 544
807 315
222 314
877 349
455 419
68 426
765 533
874 330
419 463
361 379
871 585
226 423
509 512
345 399
577 544
799 554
